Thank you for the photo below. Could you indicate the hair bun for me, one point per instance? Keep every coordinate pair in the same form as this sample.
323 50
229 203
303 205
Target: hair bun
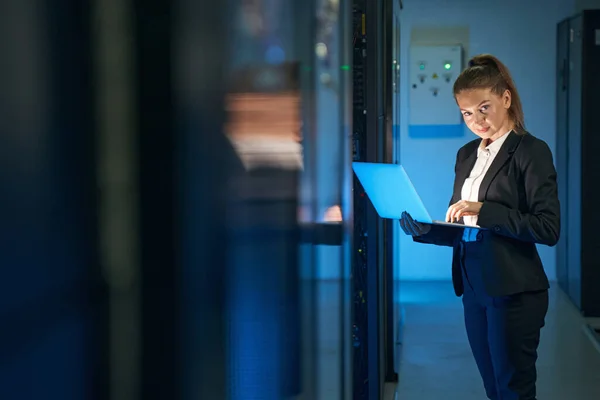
483 60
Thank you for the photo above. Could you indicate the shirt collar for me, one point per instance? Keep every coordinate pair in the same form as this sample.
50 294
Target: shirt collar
494 147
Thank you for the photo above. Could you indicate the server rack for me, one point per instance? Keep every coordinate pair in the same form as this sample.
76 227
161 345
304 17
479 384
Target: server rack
578 142
373 319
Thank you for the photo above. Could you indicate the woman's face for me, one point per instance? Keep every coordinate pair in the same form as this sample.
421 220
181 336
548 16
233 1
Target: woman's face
485 113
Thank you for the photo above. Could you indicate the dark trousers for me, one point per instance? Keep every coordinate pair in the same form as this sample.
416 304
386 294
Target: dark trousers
504 332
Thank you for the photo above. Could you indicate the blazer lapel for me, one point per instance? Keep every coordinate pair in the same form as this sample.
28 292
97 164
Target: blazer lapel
504 154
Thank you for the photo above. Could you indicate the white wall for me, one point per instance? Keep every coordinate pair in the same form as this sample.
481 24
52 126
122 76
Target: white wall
523 35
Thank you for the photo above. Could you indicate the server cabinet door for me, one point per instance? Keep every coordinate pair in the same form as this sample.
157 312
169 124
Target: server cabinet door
326 202
562 146
573 216
52 294
289 297
590 173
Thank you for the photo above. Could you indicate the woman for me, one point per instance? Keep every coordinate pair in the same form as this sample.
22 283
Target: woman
505 188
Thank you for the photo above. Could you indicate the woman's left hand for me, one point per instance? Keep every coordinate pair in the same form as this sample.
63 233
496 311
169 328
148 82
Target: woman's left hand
462 208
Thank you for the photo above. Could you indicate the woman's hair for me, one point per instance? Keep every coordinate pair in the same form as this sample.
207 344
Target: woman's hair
487 72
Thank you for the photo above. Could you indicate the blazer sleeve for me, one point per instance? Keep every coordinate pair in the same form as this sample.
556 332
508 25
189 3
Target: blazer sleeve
439 235
442 235
541 224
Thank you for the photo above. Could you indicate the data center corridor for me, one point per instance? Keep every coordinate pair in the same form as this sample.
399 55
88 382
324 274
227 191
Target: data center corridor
130 198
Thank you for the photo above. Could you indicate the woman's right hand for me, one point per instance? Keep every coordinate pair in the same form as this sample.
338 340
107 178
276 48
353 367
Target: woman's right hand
412 227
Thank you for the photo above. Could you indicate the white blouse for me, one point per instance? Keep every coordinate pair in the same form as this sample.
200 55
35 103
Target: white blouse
470 190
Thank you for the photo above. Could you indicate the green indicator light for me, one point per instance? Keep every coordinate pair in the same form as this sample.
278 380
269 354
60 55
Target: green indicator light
447 66
422 66
345 67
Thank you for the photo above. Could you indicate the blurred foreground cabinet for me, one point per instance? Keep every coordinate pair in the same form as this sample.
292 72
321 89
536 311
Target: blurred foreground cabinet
577 146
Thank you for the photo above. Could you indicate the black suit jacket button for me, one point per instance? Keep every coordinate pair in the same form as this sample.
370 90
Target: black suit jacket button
497 228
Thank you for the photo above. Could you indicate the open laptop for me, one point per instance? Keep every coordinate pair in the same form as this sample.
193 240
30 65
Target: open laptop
390 190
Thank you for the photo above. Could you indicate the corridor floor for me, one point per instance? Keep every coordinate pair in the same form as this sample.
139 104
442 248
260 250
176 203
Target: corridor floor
436 362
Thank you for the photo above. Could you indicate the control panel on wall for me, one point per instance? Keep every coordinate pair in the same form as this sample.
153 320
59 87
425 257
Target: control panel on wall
432 72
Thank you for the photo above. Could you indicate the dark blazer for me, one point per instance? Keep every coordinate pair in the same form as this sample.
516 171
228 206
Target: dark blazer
520 208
